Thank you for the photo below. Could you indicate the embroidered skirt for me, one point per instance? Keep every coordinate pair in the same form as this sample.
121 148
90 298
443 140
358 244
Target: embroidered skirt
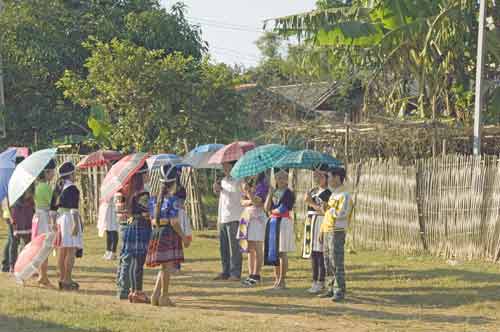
165 247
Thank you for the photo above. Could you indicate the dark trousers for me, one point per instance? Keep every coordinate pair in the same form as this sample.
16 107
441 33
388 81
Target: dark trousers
14 246
130 273
318 266
6 249
230 249
335 242
111 241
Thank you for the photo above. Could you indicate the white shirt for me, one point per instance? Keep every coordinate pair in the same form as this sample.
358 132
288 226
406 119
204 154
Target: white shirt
230 208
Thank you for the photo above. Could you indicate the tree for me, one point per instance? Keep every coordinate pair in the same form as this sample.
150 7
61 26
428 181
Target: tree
154 99
41 39
405 45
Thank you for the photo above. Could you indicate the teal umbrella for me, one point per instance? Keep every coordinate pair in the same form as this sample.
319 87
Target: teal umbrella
258 160
306 159
27 172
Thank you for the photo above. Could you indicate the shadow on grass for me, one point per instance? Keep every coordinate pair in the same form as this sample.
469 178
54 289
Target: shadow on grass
10 324
332 309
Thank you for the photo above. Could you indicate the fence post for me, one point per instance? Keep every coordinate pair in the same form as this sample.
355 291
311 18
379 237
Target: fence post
418 195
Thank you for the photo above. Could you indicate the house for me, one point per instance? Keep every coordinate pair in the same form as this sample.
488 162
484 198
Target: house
299 102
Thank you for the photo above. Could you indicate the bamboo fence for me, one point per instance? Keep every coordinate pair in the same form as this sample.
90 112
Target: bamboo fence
447 206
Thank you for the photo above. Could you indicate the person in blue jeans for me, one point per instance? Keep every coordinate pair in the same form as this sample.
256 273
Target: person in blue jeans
135 231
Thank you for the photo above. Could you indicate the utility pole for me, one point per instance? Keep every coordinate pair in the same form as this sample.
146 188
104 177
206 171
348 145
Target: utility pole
3 132
478 105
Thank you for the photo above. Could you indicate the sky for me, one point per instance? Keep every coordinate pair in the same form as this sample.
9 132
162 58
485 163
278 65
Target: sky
231 27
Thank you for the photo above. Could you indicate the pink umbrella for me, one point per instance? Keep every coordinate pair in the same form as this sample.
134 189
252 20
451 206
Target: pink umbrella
33 255
121 173
231 152
99 158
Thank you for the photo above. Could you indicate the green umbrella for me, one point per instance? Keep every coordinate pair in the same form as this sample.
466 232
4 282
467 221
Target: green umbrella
258 160
306 159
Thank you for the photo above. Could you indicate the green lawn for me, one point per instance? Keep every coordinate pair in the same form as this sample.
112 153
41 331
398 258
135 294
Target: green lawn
386 292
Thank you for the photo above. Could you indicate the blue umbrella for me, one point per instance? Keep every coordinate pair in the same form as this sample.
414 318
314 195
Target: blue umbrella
7 165
159 160
27 172
199 156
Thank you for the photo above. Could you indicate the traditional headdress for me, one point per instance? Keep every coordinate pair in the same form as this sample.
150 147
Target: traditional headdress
66 169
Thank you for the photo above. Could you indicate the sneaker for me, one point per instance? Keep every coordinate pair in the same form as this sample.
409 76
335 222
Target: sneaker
338 296
316 288
327 295
221 277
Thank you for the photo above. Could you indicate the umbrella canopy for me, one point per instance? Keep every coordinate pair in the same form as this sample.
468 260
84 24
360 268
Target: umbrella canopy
99 158
231 152
199 156
27 172
258 160
159 160
306 159
120 174
7 165
33 255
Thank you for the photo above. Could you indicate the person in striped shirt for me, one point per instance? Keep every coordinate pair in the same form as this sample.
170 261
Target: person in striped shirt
333 232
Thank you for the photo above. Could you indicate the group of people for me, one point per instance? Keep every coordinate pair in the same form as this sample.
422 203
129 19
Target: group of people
256 219
43 210
253 218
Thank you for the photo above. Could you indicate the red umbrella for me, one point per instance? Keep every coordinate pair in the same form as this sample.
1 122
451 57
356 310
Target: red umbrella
33 255
121 173
231 152
99 158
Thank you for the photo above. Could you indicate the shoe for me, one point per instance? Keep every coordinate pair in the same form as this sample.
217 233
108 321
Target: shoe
338 296
314 288
138 297
327 295
221 277
234 278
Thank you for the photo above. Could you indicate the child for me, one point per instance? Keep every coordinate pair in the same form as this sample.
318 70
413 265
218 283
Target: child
333 231
69 225
166 245
316 201
44 219
280 237
135 227
252 228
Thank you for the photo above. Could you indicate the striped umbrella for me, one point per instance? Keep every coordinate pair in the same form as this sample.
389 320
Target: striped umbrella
120 174
33 255
306 159
99 158
27 172
231 152
199 156
258 160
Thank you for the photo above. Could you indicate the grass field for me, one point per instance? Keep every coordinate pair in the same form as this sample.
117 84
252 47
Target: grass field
386 292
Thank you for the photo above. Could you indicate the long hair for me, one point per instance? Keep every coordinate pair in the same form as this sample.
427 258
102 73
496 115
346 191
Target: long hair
135 186
165 188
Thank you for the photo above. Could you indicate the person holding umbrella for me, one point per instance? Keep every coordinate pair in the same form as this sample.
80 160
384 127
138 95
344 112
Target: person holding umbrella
69 225
45 214
230 209
167 241
131 203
